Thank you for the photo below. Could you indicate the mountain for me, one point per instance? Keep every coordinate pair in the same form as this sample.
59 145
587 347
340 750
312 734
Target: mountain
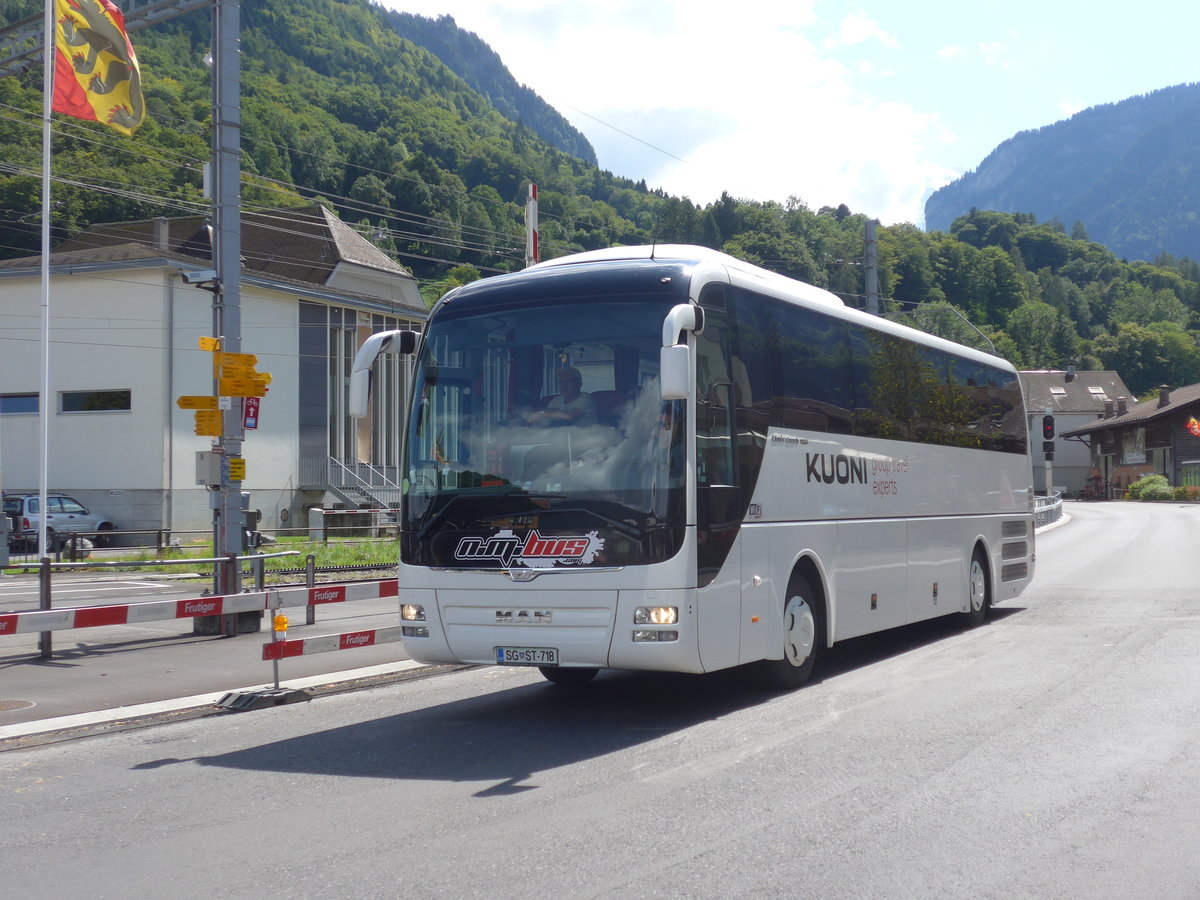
1127 171
472 60
341 107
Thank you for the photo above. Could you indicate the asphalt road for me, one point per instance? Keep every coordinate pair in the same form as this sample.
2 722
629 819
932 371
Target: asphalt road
1053 752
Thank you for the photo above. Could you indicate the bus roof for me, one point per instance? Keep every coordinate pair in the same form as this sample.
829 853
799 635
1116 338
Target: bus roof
689 253
747 275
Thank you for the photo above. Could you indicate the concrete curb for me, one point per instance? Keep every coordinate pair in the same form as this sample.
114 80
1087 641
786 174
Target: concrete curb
103 721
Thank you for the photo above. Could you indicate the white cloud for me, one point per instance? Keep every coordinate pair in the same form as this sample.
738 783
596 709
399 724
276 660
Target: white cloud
856 29
748 95
993 52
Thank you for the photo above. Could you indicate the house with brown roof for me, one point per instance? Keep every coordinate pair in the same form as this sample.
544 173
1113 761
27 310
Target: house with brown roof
124 345
1157 437
1073 398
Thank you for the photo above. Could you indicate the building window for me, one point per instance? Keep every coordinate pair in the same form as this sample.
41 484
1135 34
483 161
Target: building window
96 401
18 404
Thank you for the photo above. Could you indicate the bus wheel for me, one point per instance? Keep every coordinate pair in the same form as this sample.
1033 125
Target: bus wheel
801 639
567 677
980 591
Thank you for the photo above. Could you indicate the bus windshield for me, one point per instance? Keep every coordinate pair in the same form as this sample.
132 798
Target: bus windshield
543 418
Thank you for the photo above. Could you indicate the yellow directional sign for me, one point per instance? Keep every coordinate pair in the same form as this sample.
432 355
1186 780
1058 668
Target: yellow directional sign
239 359
241 387
208 422
210 343
237 468
231 371
186 402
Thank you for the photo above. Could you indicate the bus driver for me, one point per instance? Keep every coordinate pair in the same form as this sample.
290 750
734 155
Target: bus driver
572 406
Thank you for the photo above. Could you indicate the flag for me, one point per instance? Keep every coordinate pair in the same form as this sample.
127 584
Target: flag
1193 426
96 73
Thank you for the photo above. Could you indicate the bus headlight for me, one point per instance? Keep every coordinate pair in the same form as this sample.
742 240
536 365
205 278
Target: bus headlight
413 631
656 615
412 612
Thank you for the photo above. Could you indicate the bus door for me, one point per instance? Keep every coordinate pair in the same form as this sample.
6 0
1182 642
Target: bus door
727 602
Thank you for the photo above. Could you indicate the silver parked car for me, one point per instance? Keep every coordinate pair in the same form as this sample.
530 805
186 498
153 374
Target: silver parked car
65 517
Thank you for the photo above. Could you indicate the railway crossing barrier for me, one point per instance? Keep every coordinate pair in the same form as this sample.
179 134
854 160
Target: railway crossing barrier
44 621
48 620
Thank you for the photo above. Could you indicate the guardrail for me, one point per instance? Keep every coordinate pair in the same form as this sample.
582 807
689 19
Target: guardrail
1047 509
45 620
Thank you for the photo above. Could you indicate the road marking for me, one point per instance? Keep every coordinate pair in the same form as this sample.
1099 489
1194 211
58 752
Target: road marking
29 588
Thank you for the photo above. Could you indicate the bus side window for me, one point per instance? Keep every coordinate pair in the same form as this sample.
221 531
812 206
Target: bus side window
714 412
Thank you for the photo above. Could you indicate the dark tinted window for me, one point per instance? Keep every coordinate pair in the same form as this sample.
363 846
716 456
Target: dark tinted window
96 401
817 372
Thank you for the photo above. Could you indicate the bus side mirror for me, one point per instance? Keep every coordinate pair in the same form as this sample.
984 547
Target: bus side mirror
674 372
360 371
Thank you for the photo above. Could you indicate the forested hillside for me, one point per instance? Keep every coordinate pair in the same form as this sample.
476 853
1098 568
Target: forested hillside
1127 172
340 106
479 66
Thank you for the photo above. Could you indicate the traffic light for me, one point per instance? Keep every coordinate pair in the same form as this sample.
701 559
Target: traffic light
1048 427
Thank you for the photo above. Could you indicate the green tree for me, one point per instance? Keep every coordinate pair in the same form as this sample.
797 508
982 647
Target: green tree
1147 356
1140 305
996 286
456 277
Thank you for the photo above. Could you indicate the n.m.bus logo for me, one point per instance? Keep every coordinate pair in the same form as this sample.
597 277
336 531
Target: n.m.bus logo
530 550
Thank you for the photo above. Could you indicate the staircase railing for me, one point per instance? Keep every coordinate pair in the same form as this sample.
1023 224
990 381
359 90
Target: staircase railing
364 478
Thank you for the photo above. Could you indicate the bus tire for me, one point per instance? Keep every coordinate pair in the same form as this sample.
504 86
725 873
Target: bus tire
567 677
979 590
803 618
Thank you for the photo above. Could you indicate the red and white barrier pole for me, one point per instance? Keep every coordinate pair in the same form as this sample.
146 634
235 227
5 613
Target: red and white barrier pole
157 610
350 640
532 251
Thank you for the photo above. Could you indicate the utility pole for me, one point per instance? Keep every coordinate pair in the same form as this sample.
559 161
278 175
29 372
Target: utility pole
871 267
228 520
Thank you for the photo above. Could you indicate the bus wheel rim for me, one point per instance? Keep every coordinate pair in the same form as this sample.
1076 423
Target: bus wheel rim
800 629
978 585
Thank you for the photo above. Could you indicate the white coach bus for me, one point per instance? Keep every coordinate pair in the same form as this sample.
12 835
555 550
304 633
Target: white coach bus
663 458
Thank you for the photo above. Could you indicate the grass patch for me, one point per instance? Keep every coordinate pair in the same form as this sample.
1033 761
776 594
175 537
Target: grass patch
383 552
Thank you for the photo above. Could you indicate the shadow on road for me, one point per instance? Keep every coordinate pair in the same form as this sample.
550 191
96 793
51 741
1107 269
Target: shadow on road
507 737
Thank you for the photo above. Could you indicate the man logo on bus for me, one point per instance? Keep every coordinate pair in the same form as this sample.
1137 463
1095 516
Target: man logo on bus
531 550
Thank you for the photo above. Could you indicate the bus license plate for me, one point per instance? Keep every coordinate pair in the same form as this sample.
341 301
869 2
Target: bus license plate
526 656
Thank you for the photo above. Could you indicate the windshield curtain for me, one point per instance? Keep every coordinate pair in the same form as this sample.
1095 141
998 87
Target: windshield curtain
543 421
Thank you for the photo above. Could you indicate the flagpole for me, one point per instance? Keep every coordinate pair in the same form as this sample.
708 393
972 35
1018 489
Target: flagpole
48 54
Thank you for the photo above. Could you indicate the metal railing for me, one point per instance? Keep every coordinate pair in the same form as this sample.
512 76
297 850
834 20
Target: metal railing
379 483
1047 509
363 478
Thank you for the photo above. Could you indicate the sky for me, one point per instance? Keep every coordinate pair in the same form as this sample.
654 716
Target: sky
874 104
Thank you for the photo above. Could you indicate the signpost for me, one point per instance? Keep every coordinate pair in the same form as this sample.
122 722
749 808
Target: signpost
240 388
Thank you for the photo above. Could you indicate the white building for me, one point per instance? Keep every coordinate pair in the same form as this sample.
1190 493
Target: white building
124 345
1074 399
